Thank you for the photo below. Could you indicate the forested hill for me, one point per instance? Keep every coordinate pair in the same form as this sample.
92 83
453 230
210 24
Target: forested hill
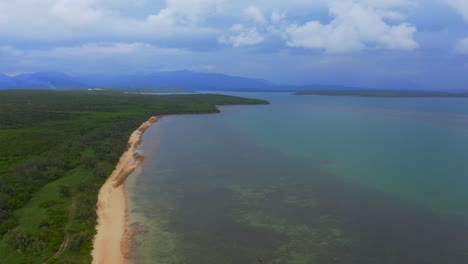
56 150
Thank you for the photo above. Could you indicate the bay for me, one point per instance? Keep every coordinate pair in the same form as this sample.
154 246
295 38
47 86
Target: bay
306 179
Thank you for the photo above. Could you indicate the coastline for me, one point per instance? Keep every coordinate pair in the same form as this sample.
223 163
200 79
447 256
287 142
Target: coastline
113 240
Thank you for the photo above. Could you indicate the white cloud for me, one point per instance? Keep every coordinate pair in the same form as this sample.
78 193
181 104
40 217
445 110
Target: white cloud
357 23
385 3
255 14
91 50
50 19
462 46
33 15
75 14
461 6
98 49
186 12
90 58
242 37
102 50
355 26
9 50
83 19
277 16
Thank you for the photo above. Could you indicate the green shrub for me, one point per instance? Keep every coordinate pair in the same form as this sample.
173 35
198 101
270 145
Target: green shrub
65 191
78 240
49 203
24 243
14 203
8 224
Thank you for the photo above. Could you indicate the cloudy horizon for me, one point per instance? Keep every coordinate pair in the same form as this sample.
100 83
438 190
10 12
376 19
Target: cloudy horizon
365 43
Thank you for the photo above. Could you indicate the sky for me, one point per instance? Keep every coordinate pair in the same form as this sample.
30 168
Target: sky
361 43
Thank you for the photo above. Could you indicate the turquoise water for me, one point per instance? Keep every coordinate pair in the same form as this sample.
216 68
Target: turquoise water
307 179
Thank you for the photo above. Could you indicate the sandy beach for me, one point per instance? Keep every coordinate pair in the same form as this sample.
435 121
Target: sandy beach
112 243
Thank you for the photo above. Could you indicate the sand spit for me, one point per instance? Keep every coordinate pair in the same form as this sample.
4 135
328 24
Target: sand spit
112 243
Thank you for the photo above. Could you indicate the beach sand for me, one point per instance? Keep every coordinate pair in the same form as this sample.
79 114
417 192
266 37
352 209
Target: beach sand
113 240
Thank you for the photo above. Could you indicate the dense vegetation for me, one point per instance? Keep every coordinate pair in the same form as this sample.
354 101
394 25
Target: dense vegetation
56 150
381 93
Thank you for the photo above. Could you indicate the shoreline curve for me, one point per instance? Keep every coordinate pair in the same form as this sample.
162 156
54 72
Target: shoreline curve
112 242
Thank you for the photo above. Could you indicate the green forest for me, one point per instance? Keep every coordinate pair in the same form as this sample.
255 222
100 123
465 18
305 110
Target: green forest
56 150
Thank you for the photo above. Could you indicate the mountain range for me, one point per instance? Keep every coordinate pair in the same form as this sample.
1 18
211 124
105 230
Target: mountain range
39 80
176 79
189 80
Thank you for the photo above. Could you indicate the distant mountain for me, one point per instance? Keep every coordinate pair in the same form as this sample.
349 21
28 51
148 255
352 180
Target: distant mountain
321 87
392 85
385 93
40 80
176 79
180 79
195 81
6 82
402 85
50 80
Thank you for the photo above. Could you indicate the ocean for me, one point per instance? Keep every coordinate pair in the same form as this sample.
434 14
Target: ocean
306 179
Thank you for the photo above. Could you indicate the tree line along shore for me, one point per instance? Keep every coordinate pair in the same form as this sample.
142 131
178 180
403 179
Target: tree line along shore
57 148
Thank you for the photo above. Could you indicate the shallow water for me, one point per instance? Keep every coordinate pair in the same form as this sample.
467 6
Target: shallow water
307 179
